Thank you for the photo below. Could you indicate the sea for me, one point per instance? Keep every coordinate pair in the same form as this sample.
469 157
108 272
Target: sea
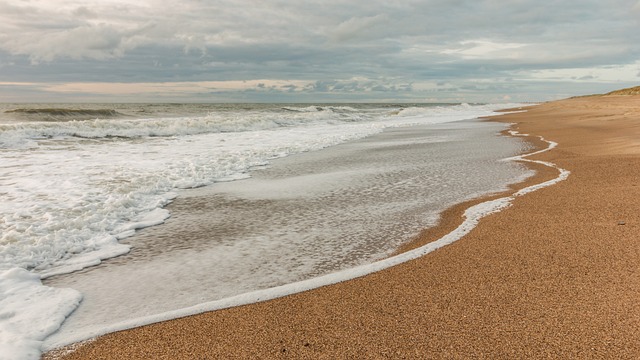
114 212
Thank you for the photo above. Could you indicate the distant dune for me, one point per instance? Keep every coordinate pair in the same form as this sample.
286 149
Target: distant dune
629 91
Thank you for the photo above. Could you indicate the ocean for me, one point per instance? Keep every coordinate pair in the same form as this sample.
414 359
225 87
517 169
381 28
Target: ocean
245 196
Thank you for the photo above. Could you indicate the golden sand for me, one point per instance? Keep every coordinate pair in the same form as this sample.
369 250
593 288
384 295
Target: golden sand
556 275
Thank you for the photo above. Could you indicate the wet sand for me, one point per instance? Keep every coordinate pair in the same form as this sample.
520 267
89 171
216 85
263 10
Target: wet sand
556 275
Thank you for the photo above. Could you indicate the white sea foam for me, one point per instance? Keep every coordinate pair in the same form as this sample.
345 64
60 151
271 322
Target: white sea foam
72 189
22 135
29 312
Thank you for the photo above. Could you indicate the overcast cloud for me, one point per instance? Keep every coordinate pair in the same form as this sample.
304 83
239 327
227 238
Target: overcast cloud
311 51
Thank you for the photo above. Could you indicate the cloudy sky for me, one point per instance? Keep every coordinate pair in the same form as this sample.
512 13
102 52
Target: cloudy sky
316 51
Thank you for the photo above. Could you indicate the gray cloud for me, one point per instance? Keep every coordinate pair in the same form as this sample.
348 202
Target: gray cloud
389 48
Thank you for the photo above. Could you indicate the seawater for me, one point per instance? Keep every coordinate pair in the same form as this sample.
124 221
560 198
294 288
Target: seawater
78 181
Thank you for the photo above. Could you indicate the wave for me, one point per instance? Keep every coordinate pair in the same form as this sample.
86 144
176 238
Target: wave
316 108
26 134
302 109
57 113
411 111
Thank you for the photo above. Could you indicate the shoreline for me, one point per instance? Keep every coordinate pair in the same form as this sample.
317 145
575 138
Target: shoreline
452 217
292 287
329 300
408 161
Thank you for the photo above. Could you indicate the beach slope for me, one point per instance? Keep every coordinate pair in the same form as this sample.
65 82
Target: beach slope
556 275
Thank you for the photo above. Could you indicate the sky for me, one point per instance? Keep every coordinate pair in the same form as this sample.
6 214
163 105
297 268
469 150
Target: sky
316 51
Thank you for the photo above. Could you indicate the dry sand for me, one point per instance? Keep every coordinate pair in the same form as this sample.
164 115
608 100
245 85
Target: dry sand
556 275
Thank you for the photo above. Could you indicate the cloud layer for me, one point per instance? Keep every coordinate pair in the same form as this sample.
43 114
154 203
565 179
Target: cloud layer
325 50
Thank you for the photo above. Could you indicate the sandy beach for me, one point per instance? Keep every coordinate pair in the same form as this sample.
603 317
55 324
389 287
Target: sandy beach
556 275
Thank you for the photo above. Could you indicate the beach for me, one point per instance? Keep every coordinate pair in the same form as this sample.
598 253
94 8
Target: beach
555 275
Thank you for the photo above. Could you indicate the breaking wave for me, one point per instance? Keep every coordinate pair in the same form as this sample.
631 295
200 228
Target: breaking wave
61 113
26 134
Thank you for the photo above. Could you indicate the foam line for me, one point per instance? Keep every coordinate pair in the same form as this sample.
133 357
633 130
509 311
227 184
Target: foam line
472 217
